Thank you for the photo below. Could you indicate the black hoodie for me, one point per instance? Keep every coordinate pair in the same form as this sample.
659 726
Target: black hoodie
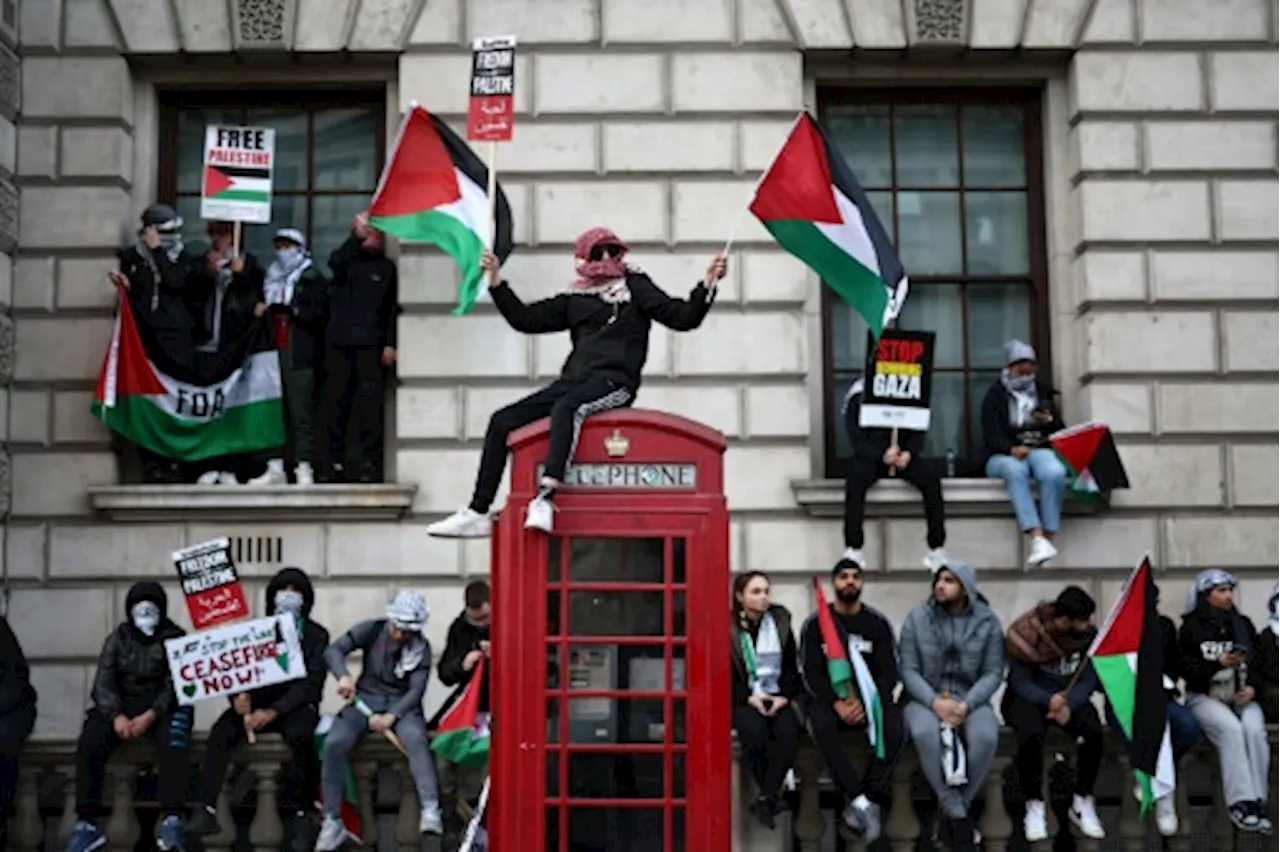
464 637
17 695
364 297
1207 634
284 698
133 671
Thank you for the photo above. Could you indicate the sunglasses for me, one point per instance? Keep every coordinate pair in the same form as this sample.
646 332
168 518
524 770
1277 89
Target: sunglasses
597 253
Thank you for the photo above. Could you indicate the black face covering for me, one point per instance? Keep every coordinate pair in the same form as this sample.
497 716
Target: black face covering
849 594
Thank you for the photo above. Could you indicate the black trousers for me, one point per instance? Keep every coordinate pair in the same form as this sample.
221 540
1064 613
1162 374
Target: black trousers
298 730
15 728
1030 726
172 738
568 403
827 728
864 472
353 377
770 743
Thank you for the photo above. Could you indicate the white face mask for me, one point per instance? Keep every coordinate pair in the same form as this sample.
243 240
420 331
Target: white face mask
288 600
289 257
146 617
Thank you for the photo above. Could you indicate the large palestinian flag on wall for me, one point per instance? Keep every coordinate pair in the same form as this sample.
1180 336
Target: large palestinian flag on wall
240 412
434 190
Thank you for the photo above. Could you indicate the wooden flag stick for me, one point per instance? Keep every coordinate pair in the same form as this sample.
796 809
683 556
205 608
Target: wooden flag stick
493 195
235 239
893 445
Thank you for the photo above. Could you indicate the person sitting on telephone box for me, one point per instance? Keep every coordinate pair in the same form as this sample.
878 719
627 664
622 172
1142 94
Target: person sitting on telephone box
133 698
387 697
467 644
607 309
290 709
876 453
296 297
1018 416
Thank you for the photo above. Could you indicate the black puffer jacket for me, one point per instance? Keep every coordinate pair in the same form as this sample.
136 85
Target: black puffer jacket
133 671
610 341
364 297
284 698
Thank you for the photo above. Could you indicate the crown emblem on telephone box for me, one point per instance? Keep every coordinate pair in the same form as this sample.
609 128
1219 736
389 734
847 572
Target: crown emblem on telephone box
617 445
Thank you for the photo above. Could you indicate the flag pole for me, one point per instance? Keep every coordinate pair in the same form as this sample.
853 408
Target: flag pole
746 208
493 196
473 827
235 239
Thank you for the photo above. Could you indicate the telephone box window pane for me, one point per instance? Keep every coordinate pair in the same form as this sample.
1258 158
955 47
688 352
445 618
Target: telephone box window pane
677 776
616 830
634 668
678 620
615 613
617 721
615 776
553 720
553 612
679 842
677 560
613 560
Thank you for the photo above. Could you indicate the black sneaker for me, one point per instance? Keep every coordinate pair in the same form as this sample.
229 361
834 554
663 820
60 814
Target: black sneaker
763 810
203 823
1243 816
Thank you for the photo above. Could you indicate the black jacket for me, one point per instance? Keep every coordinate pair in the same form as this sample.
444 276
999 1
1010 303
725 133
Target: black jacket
17 695
999 436
133 671
789 683
284 698
464 637
882 658
1205 635
1169 650
609 340
872 443
364 297
1264 665
161 294
308 314
242 295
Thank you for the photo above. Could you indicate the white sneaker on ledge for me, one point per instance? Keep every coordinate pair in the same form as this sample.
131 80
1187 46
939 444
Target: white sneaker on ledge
430 821
273 475
227 478
854 555
1042 550
303 474
1084 815
936 559
209 477
1166 816
1034 827
464 523
540 514
332 834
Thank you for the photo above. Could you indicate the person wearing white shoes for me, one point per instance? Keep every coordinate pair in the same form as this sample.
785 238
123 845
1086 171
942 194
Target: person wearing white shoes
876 456
608 309
1018 416
295 294
1045 647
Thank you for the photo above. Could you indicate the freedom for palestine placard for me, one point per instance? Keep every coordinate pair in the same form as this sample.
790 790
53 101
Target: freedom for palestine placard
210 583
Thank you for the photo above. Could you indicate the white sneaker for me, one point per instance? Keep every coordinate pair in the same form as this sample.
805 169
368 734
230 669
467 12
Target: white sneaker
1042 550
1085 817
464 523
273 475
539 515
303 474
854 554
935 560
430 821
225 478
332 834
1166 816
209 477
1034 827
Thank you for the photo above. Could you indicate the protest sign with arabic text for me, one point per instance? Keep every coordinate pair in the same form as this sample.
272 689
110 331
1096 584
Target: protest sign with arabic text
210 583
491 113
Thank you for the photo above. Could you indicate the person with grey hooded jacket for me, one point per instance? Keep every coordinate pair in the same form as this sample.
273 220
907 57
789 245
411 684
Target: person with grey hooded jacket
952 662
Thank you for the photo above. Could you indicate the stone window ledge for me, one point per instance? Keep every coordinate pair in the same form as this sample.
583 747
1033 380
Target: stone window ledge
824 498
345 502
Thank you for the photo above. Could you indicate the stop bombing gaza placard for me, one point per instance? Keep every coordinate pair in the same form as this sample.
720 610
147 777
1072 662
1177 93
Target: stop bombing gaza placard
235 658
898 381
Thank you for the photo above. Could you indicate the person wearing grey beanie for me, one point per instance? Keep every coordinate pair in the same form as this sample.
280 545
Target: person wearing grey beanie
1018 416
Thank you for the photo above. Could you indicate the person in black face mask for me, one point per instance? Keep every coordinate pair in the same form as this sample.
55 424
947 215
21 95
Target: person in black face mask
864 631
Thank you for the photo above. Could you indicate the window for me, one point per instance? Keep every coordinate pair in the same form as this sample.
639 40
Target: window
329 153
955 178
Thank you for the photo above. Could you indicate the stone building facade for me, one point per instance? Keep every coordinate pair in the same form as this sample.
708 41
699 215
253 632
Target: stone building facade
1148 213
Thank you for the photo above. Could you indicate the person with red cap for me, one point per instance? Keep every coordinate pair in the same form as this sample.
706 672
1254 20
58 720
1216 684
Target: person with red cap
607 309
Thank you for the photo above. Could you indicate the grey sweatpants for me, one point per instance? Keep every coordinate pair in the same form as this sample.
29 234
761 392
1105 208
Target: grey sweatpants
1240 736
981 735
347 731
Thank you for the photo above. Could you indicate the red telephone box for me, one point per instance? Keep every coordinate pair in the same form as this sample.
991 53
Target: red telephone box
611 664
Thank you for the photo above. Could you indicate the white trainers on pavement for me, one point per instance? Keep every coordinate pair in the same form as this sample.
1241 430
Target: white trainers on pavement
464 523
1034 827
936 559
430 821
1042 550
1084 815
539 515
303 474
854 554
273 475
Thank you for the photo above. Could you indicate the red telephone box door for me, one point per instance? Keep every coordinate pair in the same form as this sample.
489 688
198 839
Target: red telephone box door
611 679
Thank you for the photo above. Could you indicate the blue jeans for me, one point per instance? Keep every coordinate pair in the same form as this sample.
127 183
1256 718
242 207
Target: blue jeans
1045 468
1184 730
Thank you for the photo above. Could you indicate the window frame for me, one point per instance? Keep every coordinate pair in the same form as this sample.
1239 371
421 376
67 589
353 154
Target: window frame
1030 99
311 99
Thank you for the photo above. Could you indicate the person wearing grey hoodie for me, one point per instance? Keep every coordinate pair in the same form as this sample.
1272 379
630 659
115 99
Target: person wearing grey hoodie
952 662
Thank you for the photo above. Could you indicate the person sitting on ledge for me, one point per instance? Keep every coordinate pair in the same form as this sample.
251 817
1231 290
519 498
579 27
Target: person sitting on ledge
607 310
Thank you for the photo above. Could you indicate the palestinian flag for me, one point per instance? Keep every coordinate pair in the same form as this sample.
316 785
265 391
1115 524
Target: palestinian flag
1128 659
462 736
243 412
434 190
848 671
1089 452
237 183
814 207
350 812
